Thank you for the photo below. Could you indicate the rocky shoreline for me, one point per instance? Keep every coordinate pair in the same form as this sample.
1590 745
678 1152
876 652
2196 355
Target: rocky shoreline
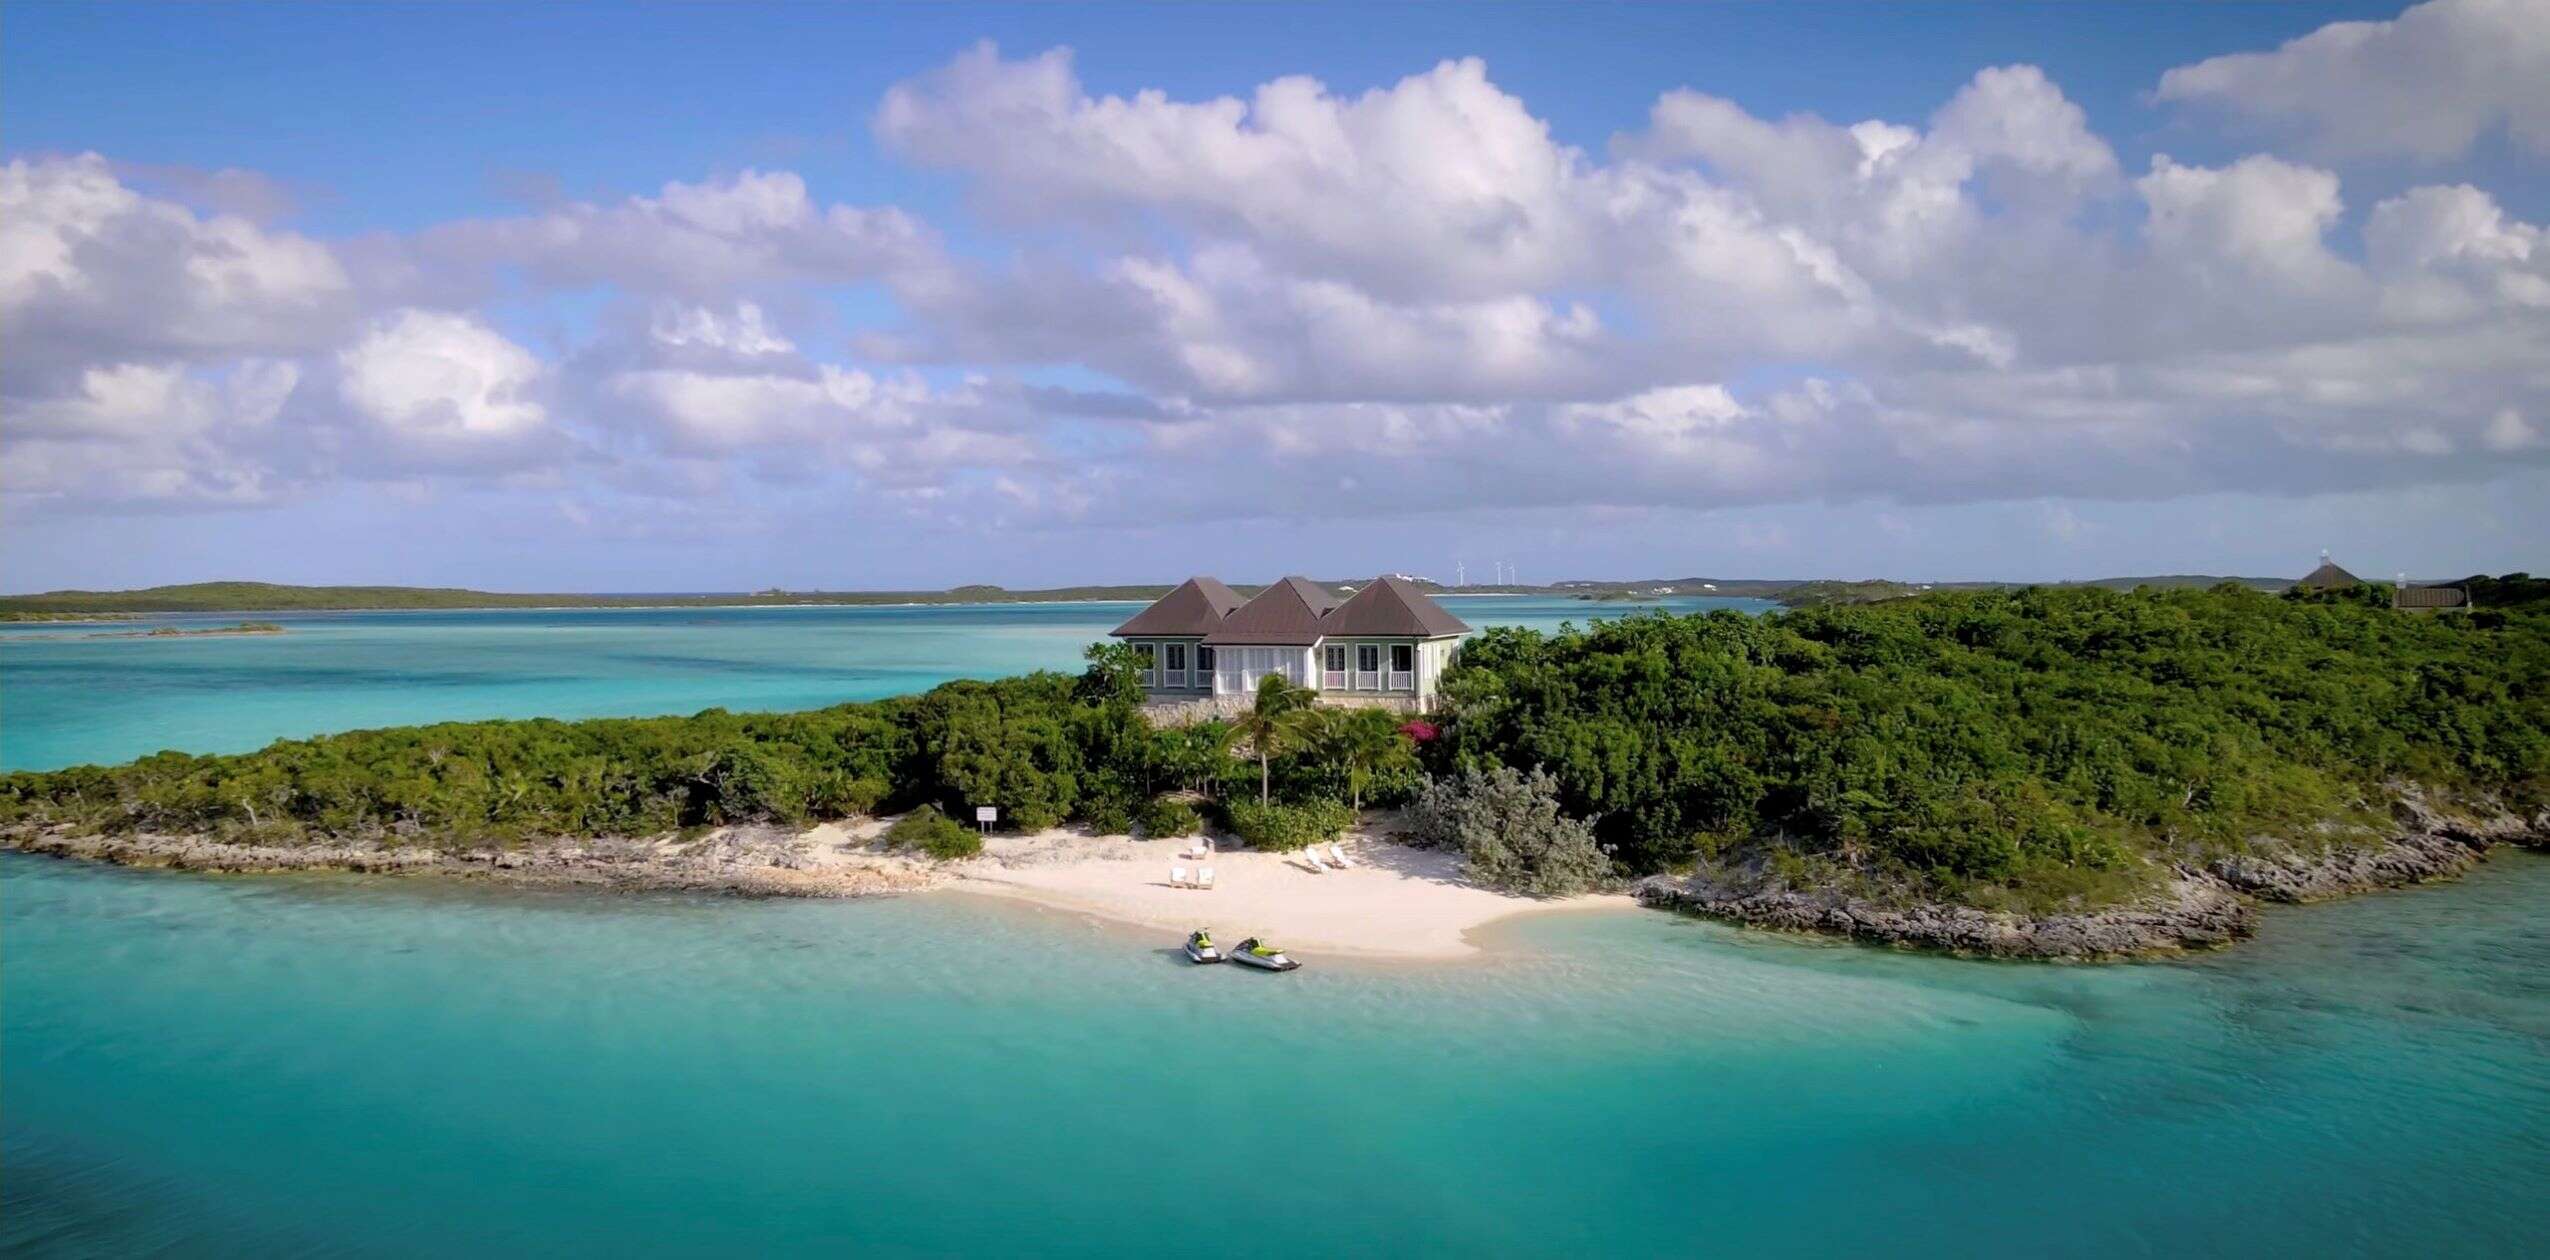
741 861
2203 908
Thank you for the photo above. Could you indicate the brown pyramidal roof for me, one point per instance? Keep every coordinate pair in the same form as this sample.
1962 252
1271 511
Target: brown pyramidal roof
1286 614
2328 577
1392 606
2430 597
1198 605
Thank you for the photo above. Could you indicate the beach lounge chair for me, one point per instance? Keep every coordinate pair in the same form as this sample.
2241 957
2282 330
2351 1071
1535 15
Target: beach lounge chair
1311 856
1177 877
1337 854
1204 877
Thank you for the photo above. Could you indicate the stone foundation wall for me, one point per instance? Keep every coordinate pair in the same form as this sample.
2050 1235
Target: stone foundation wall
1177 711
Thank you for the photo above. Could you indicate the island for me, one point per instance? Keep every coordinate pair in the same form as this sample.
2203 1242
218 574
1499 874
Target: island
2066 773
155 632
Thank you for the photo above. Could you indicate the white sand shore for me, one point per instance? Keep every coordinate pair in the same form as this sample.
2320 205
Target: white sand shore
1396 901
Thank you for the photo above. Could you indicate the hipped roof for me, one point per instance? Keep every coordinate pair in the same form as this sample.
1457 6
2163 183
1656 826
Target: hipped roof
1286 614
1198 605
1392 606
2328 577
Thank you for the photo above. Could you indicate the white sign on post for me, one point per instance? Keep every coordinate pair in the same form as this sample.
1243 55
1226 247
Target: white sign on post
985 816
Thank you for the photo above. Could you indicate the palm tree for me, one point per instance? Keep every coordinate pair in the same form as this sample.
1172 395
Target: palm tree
1365 742
1270 724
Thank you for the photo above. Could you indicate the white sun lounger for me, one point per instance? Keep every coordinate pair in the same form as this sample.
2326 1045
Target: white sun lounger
1177 877
1312 856
1204 877
1337 854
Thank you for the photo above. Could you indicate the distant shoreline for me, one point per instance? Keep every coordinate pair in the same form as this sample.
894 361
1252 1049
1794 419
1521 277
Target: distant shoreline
271 598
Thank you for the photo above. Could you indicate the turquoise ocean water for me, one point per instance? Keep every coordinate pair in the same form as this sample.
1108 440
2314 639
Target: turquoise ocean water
66 699
359 1066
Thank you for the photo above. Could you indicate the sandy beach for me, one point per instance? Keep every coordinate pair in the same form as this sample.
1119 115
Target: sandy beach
1394 902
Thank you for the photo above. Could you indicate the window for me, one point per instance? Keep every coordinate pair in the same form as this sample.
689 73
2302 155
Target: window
1336 667
1368 666
1175 674
1150 654
1203 659
1403 666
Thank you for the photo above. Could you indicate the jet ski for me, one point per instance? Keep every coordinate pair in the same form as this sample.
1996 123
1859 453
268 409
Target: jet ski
1200 948
1256 953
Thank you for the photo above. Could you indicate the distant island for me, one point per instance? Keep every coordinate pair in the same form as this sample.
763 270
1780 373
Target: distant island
220 597
68 618
155 632
1818 594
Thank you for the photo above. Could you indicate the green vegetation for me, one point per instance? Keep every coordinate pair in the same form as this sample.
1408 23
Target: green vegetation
1165 817
15 614
2026 747
1043 748
1359 752
1273 724
1820 594
1283 828
934 833
1510 827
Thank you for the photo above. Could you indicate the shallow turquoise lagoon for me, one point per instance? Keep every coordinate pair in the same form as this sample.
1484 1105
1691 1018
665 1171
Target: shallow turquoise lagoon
67 699
362 1066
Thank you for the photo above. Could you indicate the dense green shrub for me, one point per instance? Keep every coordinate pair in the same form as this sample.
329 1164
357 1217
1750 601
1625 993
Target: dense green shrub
1022 744
1110 814
1163 817
1509 826
1995 745
1282 828
934 833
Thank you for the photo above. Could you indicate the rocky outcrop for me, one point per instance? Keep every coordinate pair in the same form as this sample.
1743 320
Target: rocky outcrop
2192 914
2433 840
746 861
2200 908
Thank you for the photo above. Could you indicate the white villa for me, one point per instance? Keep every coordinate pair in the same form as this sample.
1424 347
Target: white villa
1388 641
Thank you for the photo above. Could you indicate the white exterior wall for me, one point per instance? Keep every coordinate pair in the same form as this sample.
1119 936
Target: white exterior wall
1162 679
1433 657
1236 670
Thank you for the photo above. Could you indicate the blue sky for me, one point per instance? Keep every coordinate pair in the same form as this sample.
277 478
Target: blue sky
2082 300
